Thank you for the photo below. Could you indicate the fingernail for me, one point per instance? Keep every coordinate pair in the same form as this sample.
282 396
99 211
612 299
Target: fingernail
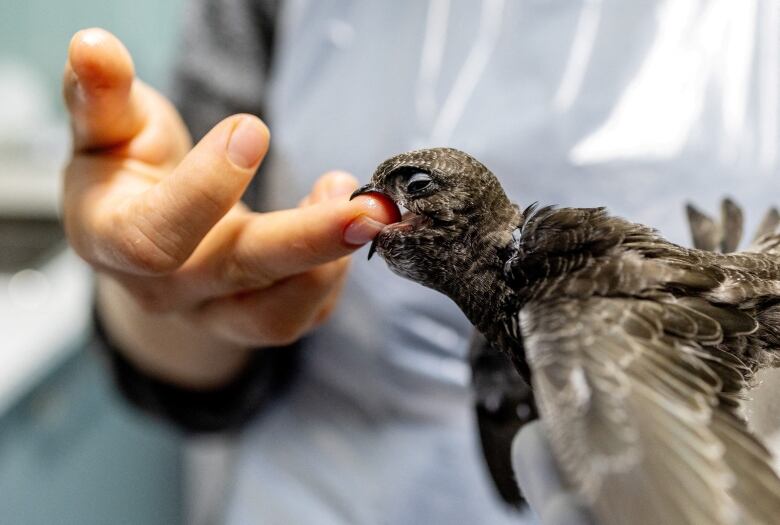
362 230
341 185
247 142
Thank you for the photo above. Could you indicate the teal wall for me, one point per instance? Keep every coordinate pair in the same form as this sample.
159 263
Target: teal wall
37 32
73 453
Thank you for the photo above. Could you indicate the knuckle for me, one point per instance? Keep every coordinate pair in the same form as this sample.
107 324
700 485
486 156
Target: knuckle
207 202
237 271
144 256
234 271
308 246
138 249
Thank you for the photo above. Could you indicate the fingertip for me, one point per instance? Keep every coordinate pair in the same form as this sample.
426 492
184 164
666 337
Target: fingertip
99 60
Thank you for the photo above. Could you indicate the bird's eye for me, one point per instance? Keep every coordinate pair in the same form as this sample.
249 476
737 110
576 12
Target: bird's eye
418 182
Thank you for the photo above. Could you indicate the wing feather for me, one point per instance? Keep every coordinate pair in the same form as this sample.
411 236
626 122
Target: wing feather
768 225
732 221
639 415
704 231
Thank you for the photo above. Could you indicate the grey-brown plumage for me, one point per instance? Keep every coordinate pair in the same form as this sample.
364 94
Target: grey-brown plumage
638 350
711 236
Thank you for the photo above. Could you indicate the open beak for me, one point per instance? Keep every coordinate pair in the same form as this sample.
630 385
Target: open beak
364 190
372 249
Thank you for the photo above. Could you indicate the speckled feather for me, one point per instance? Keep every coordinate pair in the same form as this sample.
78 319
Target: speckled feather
638 350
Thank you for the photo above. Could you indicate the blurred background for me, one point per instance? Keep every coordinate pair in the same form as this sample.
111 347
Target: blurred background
70 450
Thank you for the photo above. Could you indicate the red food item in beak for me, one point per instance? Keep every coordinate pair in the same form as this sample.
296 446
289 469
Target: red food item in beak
387 211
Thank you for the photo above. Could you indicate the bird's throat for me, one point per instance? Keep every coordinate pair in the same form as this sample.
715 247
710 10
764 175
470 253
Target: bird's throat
480 289
489 301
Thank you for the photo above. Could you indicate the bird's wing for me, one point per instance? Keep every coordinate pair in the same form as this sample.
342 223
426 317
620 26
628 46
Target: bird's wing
768 225
711 236
767 237
704 232
628 391
731 224
504 403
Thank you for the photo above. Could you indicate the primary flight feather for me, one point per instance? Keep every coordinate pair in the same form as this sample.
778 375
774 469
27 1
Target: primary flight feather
637 350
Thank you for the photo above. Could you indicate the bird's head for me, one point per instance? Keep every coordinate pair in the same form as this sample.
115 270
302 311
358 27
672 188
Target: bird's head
452 202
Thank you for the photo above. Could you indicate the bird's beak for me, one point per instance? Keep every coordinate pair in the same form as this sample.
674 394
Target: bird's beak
372 249
363 190
368 188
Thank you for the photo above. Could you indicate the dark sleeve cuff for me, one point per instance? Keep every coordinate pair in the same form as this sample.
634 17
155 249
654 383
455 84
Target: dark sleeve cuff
226 408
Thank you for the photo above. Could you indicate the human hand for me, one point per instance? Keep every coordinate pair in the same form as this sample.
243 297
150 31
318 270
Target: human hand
161 222
540 481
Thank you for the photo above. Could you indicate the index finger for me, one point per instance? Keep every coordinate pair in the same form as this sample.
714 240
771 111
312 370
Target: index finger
279 244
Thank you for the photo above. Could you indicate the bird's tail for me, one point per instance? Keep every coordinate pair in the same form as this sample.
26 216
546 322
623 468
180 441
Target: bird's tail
767 238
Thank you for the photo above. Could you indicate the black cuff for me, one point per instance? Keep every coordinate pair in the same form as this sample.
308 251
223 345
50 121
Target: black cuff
226 408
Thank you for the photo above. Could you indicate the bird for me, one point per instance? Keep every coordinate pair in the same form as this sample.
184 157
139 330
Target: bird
635 352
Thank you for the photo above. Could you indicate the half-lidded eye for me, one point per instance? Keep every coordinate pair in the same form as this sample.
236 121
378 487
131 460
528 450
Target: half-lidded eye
418 182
